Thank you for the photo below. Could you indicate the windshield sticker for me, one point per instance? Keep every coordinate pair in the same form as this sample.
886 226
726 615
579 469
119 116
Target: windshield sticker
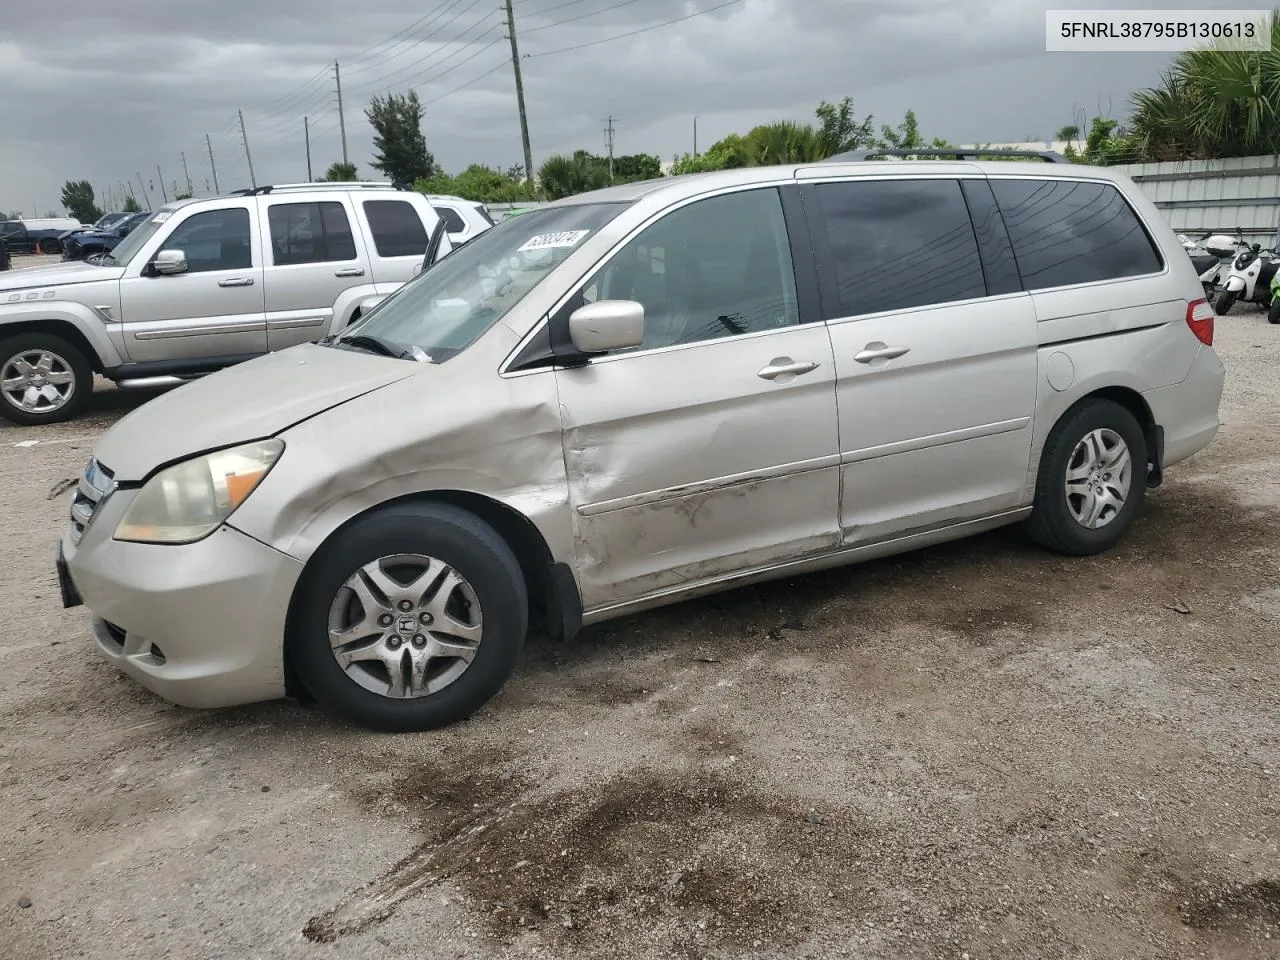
160 217
545 241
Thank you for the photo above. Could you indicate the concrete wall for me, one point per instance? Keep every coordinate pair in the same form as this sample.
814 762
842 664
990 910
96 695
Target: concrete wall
1218 196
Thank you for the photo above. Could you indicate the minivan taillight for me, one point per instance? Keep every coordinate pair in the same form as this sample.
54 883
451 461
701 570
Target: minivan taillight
1200 319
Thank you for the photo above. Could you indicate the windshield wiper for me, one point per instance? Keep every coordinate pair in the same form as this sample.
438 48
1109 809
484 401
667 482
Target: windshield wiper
365 341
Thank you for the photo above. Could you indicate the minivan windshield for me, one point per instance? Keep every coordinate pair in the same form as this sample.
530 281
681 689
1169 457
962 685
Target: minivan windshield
446 308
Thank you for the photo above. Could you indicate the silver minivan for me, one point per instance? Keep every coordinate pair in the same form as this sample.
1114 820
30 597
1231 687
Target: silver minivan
639 395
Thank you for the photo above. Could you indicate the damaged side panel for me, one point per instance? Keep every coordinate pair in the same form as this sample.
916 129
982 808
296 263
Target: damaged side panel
453 426
686 464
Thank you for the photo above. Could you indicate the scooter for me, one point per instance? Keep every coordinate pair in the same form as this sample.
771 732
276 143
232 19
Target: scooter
1249 280
1211 255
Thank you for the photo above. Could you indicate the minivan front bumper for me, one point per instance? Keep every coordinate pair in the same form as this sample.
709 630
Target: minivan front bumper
200 624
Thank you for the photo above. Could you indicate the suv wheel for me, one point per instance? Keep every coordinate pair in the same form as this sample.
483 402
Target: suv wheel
1093 476
411 619
43 379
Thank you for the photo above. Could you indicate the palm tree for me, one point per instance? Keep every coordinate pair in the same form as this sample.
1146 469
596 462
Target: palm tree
1070 134
784 142
562 176
1214 103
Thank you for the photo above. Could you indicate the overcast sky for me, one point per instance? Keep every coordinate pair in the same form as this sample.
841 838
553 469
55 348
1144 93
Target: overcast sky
105 90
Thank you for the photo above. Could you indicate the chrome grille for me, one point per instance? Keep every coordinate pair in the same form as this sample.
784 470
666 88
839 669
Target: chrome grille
94 487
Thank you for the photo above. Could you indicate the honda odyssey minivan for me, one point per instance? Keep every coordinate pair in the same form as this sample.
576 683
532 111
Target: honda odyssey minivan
638 395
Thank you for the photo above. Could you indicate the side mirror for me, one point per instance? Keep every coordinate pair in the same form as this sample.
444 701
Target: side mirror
607 325
169 262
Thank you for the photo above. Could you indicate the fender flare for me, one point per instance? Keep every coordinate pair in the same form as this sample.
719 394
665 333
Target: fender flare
91 325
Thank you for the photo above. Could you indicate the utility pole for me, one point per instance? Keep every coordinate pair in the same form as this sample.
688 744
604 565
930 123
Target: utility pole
306 130
608 134
695 137
212 166
145 195
342 118
524 118
245 137
186 173
163 192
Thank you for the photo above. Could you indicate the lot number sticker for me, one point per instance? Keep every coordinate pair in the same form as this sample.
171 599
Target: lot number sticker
546 241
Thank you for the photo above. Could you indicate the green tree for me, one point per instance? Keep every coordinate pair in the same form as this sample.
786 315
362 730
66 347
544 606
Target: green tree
1212 103
480 183
401 149
563 176
784 142
182 196
77 197
729 153
131 205
838 131
340 173
636 166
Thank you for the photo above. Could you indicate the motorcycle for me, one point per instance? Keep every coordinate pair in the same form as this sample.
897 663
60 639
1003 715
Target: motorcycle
1250 279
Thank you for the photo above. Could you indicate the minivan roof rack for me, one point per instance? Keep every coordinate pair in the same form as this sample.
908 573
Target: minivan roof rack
957 152
323 185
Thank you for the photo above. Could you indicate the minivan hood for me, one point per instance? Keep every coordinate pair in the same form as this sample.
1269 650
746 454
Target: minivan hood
57 275
246 402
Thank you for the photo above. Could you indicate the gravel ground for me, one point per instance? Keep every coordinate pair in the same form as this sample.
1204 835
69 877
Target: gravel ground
973 751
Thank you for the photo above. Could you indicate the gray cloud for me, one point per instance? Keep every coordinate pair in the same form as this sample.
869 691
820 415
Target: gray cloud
106 90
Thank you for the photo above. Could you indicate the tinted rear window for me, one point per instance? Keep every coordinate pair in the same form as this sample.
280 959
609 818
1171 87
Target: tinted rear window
883 232
452 221
396 227
1070 231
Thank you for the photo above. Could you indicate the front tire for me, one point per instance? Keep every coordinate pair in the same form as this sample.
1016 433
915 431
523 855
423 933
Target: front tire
410 619
1226 300
48 247
1273 315
1092 479
43 379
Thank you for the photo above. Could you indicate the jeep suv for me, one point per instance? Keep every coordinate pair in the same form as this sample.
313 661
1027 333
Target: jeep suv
205 284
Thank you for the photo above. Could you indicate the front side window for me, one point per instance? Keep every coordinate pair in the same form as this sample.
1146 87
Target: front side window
310 233
714 268
214 240
396 227
899 244
1070 231
447 307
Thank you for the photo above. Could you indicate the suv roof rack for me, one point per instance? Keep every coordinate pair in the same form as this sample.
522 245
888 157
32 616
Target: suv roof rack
957 152
322 185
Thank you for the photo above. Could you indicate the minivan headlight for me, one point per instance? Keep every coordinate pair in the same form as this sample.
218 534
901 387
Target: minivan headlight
188 501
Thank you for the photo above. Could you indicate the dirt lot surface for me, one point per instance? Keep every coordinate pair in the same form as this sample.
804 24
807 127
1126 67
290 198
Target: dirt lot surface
975 751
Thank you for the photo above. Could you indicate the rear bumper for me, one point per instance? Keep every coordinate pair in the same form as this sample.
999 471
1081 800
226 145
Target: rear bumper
1188 411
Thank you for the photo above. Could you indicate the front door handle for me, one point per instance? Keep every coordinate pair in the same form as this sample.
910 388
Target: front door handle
785 367
349 272
879 351
236 282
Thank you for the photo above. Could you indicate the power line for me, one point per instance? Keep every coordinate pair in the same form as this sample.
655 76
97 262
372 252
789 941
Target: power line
359 55
462 86
408 74
632 33
581 16
434 33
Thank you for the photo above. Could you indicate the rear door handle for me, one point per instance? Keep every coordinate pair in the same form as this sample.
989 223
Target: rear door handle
349 272
785 367
879 351
236 282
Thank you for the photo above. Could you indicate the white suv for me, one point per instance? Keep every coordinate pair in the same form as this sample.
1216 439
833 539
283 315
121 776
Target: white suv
464 219
204 284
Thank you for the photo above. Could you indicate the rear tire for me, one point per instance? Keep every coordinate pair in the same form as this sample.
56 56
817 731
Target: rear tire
1226 300
48 247
352 679
1076 476
21 356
